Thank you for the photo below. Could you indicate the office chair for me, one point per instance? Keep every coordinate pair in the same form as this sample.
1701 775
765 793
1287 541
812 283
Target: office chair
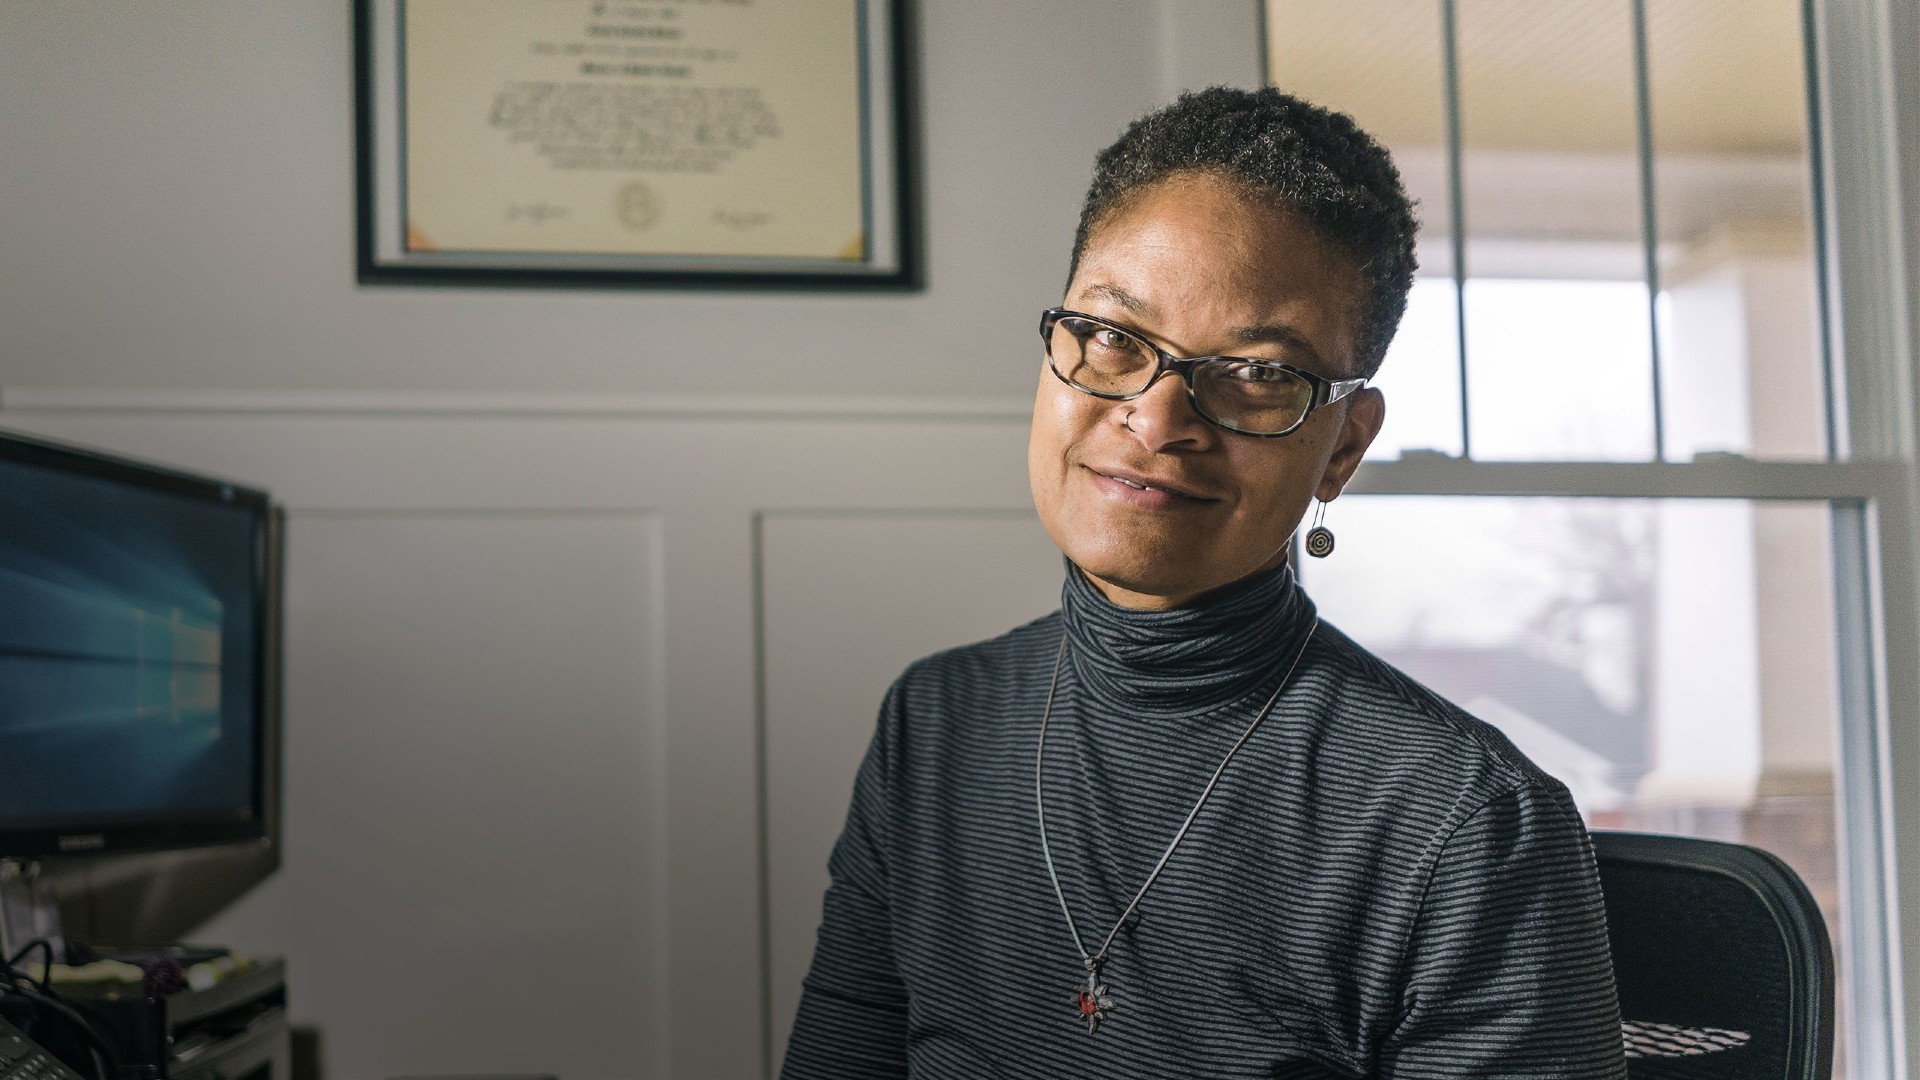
1722 960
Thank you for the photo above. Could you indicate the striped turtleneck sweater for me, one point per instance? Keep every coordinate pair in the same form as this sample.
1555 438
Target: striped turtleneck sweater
1379 886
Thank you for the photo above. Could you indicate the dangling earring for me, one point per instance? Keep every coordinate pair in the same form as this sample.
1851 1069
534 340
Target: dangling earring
1319 538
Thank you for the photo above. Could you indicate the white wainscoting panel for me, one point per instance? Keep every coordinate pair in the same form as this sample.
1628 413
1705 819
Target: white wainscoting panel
516 618
849 599
473 794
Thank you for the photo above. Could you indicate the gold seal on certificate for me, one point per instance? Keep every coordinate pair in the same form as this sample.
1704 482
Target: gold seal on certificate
638 208
639 137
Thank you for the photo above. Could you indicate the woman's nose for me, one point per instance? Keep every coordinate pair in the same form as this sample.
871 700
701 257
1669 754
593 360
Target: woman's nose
1163 416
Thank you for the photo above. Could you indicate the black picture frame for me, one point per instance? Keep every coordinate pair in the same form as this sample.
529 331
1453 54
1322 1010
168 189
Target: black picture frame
894 173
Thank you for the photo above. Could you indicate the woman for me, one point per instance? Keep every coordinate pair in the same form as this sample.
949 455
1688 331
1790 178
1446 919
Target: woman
1180 826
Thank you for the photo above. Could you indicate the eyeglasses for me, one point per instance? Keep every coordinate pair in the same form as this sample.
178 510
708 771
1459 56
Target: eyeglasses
1265 398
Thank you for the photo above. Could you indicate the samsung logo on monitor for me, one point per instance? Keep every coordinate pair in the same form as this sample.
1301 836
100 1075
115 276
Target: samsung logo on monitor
83 842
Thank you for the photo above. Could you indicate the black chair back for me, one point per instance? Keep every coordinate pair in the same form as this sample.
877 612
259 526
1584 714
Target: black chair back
1722 959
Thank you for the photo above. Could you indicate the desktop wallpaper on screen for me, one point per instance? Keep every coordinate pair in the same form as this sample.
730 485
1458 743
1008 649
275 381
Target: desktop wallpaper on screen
127 665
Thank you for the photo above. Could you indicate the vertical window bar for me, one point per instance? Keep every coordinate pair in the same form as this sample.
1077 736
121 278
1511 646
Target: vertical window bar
1456 205
1871 1028
1822 267
1649 225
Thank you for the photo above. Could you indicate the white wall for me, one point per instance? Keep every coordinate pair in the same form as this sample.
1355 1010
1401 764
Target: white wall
551 555
177 181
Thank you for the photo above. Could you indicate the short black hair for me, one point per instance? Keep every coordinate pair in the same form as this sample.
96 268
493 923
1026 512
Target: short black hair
1311 161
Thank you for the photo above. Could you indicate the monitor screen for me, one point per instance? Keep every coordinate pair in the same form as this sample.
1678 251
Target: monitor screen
134 655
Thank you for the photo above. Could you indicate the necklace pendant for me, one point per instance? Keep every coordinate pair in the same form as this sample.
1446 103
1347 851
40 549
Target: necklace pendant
1092 1000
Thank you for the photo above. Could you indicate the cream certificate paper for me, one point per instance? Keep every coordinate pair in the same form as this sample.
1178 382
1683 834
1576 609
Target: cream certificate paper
634 127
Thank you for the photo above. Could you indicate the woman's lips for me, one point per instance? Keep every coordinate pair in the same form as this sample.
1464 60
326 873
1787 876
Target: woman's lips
1147 498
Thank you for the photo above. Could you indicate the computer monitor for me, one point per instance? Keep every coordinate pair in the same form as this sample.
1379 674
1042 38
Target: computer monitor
138 655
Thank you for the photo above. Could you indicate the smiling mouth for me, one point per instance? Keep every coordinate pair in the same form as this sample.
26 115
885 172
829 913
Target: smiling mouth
1161 494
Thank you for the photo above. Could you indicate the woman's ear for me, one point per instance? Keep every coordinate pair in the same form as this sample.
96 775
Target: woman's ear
1366 411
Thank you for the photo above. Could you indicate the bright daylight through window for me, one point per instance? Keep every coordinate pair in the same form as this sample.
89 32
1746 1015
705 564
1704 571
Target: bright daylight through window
1617 266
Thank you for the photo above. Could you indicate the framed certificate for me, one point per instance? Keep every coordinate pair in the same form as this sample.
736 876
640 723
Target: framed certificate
688 143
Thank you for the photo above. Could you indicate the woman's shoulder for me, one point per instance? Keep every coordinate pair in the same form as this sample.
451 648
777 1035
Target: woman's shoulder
1015 655
1413 737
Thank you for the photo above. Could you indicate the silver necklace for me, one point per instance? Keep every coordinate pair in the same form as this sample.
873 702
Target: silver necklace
1092 1000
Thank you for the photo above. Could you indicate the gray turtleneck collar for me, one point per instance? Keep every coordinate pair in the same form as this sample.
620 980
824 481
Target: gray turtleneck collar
1187 660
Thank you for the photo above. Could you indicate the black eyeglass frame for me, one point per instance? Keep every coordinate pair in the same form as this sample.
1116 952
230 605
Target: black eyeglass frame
1325 391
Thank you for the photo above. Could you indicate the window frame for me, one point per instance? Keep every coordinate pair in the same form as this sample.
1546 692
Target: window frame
1866 90
1864 112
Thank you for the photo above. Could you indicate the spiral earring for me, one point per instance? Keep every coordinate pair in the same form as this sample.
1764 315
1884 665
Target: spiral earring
1319 538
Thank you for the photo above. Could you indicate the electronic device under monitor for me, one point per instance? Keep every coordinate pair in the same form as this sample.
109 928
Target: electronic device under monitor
138 655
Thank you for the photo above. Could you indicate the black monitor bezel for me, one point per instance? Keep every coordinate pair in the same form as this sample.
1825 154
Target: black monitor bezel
149 833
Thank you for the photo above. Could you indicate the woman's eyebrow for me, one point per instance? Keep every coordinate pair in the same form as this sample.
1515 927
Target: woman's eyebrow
1275 335
1122 297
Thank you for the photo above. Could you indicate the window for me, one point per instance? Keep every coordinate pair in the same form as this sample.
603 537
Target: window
1611 510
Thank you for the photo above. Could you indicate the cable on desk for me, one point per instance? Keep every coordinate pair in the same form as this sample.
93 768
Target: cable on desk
106 1065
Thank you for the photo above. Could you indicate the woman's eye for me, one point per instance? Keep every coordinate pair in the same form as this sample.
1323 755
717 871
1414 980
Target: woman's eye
1112 339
